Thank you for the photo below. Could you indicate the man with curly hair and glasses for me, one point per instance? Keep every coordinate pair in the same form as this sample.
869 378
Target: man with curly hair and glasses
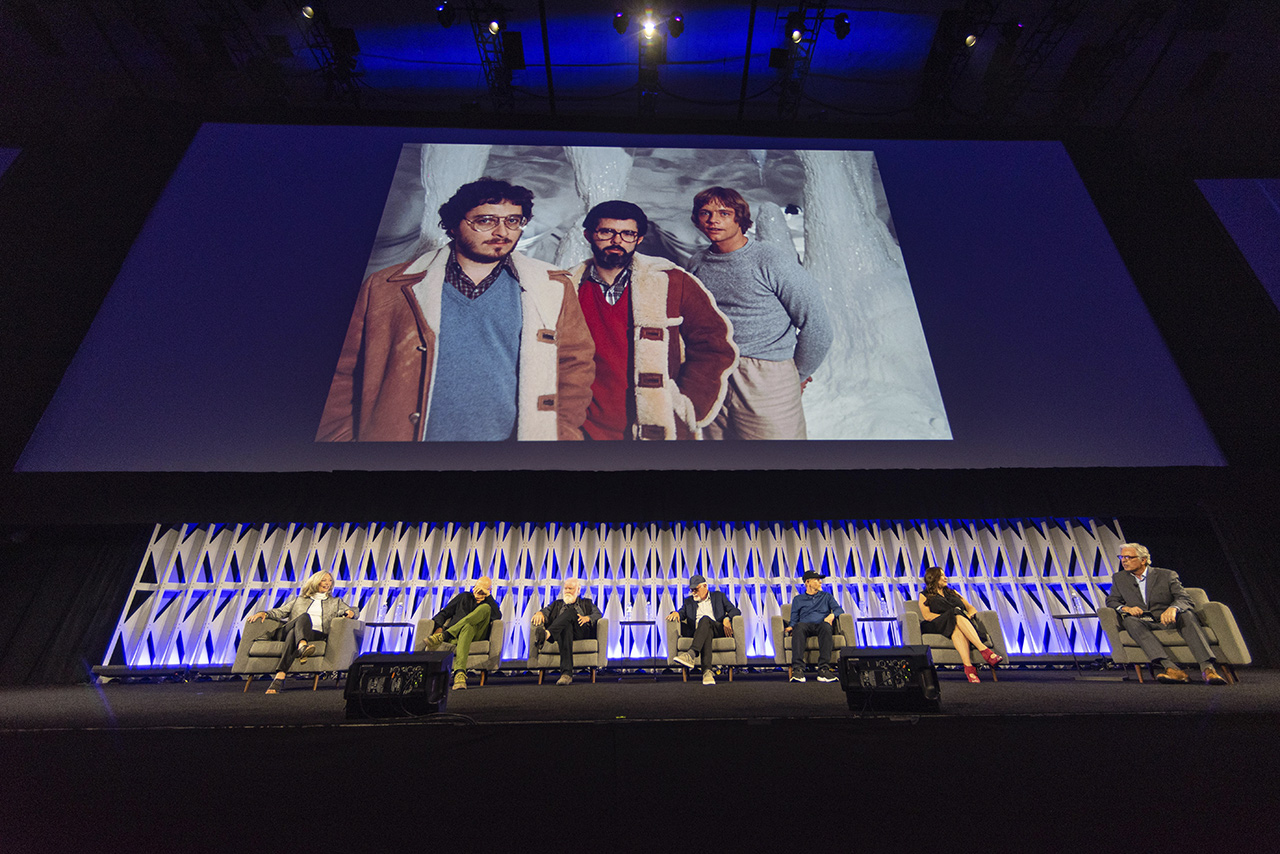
472 342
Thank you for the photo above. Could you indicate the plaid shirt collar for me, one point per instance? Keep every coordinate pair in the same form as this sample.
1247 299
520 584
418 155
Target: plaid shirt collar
462 282
612 293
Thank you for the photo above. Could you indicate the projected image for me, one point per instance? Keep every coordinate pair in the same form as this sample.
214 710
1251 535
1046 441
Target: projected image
713 294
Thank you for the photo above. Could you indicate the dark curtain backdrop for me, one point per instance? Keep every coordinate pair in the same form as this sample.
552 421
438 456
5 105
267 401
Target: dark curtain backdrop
63 590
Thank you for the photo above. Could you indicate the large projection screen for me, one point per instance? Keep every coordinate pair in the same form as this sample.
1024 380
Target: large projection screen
982 316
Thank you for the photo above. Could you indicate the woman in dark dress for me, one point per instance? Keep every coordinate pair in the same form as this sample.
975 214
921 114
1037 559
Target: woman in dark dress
947 613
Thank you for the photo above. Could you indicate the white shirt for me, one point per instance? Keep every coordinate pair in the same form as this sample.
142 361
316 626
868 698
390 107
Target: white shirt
314 611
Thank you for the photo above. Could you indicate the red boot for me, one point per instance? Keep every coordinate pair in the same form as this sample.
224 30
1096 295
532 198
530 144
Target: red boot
971 672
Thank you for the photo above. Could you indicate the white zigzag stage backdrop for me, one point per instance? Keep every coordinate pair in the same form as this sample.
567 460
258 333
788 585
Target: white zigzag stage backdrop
198 583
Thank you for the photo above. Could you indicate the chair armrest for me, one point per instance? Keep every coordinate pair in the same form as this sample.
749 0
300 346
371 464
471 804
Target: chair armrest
991 622
421 633
673 638
602 642
250 633
1110 620
497 639
846 626
343 644
909 621
1217 616
740 635
776 634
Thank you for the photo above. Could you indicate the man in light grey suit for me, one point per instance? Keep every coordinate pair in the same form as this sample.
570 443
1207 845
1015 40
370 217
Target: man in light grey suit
1148 597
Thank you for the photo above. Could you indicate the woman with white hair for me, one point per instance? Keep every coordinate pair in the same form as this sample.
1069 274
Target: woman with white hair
306 618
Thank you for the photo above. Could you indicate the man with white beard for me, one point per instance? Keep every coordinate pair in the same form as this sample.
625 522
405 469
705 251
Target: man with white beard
663 350
565 620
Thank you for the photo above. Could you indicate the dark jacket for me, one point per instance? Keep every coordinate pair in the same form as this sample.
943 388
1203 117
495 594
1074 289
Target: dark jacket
721 608
584 608
1163 589
462 604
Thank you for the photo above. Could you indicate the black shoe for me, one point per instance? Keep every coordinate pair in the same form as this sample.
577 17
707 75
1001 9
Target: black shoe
797 674
539 636
825 674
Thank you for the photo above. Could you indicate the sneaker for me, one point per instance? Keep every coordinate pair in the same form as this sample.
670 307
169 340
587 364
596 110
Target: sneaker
797 674
685 660
434 641
565 679
460 680
825 674
708 678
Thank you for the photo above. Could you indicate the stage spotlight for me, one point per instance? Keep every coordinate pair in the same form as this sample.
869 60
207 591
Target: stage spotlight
621 21
970 40
446 15
650 28
841 24
795 26
675 25
308 12
497 24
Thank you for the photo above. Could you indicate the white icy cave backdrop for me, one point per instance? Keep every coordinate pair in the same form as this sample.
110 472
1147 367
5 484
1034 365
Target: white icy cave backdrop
876 383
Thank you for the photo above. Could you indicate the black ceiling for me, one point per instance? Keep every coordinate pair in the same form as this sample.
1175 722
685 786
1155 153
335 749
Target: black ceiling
1189 81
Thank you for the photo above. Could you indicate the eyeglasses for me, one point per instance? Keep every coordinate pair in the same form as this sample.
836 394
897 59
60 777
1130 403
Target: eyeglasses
488 222
610 233
1126 557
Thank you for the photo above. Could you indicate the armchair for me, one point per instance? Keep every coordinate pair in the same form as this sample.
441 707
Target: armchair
1225 640
255 654
943 650
727 651
588 652
843 635
485 655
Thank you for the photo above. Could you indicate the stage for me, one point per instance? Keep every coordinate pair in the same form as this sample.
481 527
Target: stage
1038 759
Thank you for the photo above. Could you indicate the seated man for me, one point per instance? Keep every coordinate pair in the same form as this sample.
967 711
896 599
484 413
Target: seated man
812 613
704 616
465 619
1148 597
567 619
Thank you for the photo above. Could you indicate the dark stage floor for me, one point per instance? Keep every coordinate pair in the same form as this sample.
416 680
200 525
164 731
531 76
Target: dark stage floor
1037 761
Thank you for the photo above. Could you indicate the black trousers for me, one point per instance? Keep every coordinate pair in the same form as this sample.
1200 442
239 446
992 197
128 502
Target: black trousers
800 639
704 634
293 633
564 630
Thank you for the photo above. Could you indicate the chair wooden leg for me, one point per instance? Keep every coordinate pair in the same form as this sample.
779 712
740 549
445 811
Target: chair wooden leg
684 674
730 669
247 680
994 677
315 686
483 673
593 676
1230 671
1137 668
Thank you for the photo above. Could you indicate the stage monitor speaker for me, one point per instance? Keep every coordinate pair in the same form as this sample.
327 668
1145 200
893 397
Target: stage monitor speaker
398 685
890 679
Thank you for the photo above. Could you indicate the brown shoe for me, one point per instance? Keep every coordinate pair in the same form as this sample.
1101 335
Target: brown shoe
1212 676
1172 674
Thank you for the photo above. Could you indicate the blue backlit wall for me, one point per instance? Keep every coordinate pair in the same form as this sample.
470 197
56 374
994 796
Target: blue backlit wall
198 583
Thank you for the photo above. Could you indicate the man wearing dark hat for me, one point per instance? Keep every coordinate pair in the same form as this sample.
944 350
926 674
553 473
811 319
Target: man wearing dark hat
705 615
812 613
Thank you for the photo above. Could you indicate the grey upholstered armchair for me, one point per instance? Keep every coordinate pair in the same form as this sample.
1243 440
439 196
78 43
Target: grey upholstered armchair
727 651
255 654
842 635
592 653
485 655
1225 640
940 646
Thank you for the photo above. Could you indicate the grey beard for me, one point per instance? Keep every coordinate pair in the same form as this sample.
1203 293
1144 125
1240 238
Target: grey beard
569 600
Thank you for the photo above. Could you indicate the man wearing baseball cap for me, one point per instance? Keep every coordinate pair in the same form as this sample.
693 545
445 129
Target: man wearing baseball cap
812 613
704 616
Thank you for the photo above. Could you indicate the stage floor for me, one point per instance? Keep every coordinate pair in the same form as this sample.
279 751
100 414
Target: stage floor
519 699
1036 762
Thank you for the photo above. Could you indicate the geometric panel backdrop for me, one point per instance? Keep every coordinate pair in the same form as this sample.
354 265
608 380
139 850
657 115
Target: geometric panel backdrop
198 583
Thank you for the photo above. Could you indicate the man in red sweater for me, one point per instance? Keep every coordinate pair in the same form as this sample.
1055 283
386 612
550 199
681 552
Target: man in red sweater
664 351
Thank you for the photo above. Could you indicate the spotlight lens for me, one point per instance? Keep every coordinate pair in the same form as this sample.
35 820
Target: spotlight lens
494 26
649 29
970 40
796 35
308 12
